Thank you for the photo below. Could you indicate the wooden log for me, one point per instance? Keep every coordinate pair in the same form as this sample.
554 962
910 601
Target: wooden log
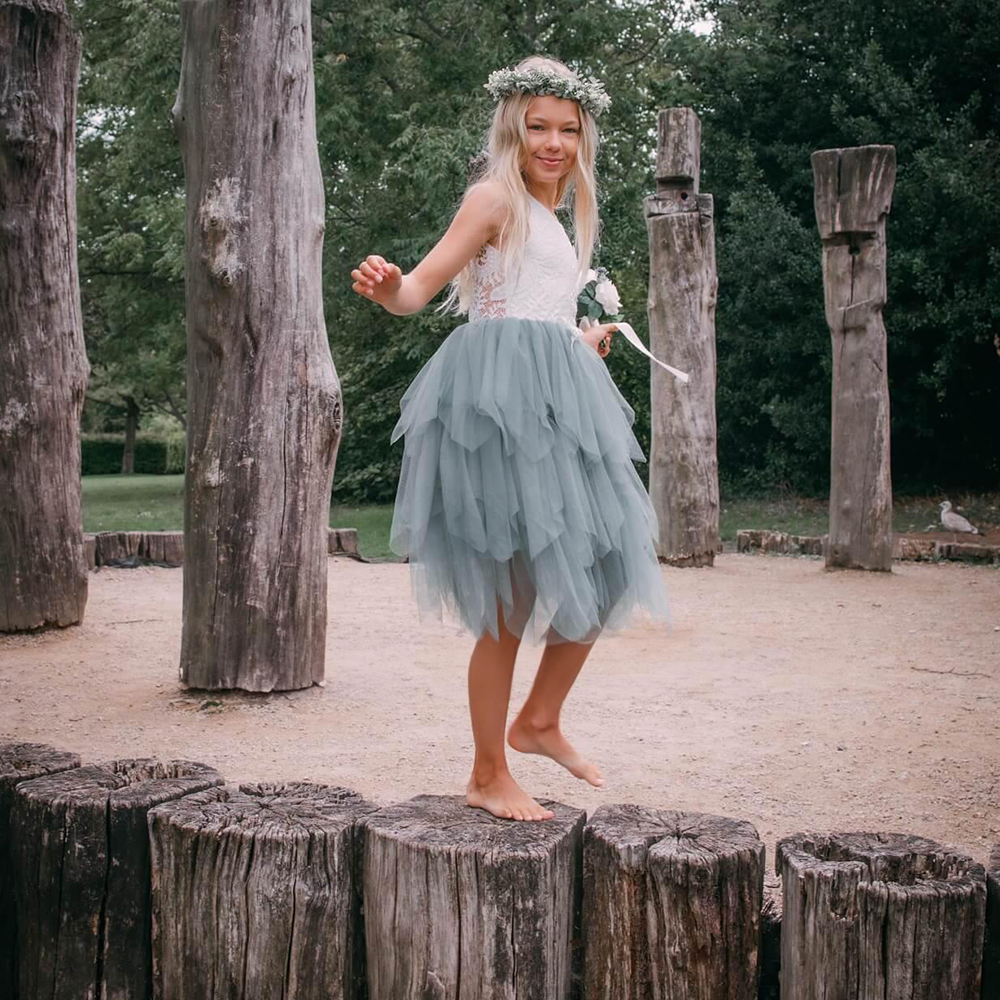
162 548
119 549
852 195
18 762
348 542
81 875
967 552
991 944
90 550
256 893
461 905
672 905
264 401
913 548
879 915
683 285
44 371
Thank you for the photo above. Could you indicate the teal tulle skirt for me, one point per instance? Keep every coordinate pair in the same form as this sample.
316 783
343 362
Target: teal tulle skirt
517 486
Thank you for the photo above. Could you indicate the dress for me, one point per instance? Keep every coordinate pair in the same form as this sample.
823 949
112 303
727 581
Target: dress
517 482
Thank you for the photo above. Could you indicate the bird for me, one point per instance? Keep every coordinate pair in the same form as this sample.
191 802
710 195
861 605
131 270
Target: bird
955 522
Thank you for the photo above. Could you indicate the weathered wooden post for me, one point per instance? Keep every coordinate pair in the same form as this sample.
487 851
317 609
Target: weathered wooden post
43 366
264 402
852 195
879 915
671 905
80 851
460 904
991 955
256 893
18 762
683 464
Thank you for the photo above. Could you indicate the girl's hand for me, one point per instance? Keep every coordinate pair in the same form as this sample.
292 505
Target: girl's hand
599 337
376 279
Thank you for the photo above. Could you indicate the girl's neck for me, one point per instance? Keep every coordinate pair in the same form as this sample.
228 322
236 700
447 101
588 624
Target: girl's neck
547 196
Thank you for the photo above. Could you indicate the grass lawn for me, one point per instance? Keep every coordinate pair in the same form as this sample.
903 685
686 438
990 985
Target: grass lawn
156 503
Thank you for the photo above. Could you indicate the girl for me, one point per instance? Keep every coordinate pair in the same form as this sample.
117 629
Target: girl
518 504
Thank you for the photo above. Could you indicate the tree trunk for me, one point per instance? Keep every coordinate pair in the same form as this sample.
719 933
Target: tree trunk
264 403
131 424
80 847
683 469
672 905
460 905
853 193
44 369
879 915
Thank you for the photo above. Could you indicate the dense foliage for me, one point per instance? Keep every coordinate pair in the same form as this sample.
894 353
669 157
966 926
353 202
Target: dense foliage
401 109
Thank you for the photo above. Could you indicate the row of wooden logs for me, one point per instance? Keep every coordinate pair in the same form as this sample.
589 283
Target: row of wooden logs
166 548
902 548
138 879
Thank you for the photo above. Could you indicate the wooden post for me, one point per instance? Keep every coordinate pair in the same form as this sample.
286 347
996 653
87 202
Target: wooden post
81 875
264 402
460 905
18 762
852 195
991 955
256 893
683 467
879 915
43 367
672 905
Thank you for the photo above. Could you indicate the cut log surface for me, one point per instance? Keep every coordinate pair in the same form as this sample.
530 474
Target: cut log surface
991 955
461 905
256 893
81 875
18 762
672 905
879 915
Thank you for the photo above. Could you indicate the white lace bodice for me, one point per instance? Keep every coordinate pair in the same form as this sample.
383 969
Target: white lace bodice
547 287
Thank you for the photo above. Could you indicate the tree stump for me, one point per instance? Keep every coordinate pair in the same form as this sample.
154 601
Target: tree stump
672 905
991 954
461 905
683 285
81 875
256 893
879 915
852 195
264 401
18 762
44 370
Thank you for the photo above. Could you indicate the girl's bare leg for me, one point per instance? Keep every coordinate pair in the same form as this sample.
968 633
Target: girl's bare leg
536 728
491 786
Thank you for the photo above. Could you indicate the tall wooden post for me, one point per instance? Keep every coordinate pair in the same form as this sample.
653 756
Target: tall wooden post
43 361
264 401
683 469
853 194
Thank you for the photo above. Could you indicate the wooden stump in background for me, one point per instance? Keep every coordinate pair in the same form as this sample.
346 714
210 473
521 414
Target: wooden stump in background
256 893
852 195
671 905
44 371
18 762
461 905
683 461
80 850
991 955
264 401
879 915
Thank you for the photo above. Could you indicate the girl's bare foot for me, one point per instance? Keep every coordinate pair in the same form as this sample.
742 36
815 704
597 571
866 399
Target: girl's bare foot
502 796
550 742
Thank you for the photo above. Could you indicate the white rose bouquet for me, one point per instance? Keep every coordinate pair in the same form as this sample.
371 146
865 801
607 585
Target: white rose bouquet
599 303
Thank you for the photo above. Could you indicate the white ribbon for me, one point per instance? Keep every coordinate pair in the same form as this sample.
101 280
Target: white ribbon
633 338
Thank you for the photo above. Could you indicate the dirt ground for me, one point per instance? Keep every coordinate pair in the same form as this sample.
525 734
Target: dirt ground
782 693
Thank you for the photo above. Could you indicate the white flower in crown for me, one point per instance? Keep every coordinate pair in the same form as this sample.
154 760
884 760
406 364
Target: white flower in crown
606 293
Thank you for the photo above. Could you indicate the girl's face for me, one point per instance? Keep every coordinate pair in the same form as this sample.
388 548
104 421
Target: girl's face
553 127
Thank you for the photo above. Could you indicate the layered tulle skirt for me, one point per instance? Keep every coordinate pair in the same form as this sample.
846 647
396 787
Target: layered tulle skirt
517 486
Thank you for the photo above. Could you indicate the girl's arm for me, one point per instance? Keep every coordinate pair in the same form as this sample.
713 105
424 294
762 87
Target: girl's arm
477 220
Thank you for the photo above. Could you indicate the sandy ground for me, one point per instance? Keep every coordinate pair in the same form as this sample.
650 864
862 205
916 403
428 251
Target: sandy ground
792 696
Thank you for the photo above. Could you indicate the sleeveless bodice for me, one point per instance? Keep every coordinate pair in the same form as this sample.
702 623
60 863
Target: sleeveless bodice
547 285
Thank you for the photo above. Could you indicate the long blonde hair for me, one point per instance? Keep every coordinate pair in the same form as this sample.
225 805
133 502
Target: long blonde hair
504 146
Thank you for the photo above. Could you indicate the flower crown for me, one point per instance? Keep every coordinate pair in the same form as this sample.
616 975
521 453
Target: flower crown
587 91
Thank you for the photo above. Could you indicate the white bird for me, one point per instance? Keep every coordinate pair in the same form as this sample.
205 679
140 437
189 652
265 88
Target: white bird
955 522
